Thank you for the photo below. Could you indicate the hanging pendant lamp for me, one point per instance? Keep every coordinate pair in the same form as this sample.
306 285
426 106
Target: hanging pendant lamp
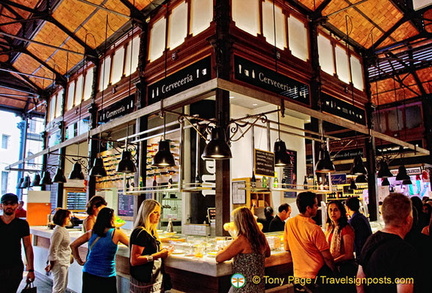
358 168
324 164
36 180
361 179
217 148
384 171
402 173
385 182
407 182
164 157
352 185
20 182
282 158
59 177
98 169
76 172
26 182
126 165
46 179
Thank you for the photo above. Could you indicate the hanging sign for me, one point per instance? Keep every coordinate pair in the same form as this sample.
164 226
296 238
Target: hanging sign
270 80
264 163
184 79
342 109
118 109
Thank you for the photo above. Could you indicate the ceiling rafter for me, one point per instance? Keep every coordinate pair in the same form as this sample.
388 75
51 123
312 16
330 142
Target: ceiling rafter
47 16
24 78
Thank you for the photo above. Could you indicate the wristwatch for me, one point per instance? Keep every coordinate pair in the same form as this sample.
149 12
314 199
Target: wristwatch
149 258
30 271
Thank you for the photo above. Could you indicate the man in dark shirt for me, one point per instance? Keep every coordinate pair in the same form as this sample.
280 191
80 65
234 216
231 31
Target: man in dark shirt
278 223
387 262
12 232
360 224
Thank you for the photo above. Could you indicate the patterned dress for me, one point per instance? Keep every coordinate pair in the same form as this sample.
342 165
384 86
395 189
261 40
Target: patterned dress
250 265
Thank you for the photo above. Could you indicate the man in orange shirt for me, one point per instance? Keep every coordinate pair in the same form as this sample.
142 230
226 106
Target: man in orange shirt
306 241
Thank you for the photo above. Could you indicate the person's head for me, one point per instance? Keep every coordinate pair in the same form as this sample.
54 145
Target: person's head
95 204
247 226
9 203
417 203
307 203
397 211
148 215
427 209
336 214
21 204
105 219
61 217
353 205
284 211
268 212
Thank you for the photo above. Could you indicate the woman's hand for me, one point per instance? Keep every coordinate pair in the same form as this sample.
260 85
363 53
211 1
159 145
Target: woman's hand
164 253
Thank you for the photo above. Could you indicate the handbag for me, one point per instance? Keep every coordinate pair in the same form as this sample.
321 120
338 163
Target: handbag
29 288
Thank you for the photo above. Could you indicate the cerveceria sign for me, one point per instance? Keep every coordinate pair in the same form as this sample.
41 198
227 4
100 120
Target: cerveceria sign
118 109
270 80
184 79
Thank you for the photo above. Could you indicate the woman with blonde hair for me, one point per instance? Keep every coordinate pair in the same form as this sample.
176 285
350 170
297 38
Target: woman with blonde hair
249 250
145 250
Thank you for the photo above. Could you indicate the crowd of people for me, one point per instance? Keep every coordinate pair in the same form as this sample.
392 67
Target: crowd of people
346 249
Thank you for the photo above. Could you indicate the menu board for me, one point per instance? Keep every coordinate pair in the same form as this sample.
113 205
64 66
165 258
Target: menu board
125 205
264 163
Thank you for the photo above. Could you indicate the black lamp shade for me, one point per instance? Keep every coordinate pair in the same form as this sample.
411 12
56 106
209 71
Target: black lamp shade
20 182
59 177
36 180
402 173
407 182
76 172
358 168
46 178
282 158
352 185
361 179
324 164
217 148
164 157
126 165
26 182
98 169
384 171
385 182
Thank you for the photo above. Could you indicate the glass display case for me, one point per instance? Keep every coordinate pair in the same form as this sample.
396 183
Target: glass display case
171 203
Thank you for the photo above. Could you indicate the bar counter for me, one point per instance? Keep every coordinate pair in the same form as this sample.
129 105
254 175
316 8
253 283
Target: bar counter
188 273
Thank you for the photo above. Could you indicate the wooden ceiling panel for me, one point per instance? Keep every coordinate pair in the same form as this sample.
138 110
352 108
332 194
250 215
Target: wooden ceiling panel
364 23
78 9
425 75
406 30
141 4
100 20
26 64
63 61
50 34
7 17
312 4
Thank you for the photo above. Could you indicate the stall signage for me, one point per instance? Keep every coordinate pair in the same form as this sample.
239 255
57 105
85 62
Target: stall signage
264 163
348 154
118 109
342 109
270 80
396 149
338 179
184 79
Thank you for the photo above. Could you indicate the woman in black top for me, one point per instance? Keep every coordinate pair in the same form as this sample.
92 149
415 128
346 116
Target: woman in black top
145 251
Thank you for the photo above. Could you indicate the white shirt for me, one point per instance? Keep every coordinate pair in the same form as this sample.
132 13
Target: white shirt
59 250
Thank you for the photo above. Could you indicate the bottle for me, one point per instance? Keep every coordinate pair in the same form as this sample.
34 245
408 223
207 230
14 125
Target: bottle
154 181
275 181
170 227
284 180
305 182
170 181
264 182
253 180
141 182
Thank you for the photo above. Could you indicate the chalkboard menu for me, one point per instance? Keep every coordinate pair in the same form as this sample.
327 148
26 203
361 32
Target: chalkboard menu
125 205
264 163
76 200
